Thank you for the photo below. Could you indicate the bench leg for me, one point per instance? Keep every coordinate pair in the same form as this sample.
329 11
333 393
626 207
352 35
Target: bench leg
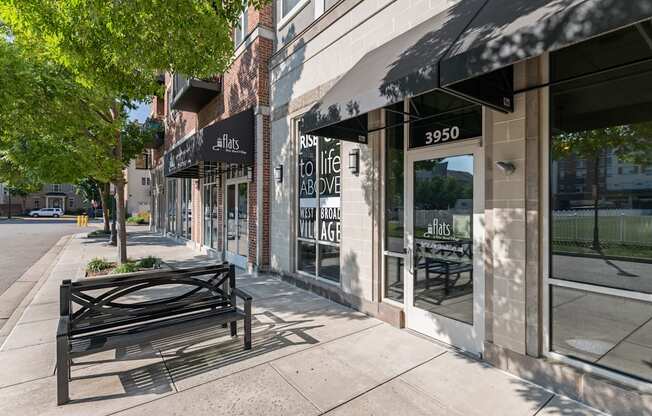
234 328
247 325
63 371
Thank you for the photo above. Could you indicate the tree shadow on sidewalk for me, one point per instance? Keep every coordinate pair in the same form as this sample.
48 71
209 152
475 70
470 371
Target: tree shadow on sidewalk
188 354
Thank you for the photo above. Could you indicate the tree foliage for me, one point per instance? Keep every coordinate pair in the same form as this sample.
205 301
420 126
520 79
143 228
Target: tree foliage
73 68
631 143
123 44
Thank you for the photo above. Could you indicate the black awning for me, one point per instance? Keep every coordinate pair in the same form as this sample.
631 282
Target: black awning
403 67
508 31
229 141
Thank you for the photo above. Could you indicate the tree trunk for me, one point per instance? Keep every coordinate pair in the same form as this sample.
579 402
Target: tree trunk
9 213
596 202
105 190
121 222
119 182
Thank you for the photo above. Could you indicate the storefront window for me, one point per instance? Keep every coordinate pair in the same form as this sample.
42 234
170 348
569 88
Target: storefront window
186 208
210 208
394 198
214 213
601 205
231 223
319 207
237 211
243 221
172 206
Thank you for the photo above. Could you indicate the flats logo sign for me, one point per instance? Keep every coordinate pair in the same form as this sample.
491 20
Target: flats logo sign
230 140
227 144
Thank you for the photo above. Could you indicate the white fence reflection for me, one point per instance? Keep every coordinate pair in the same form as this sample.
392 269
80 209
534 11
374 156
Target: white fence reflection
614 226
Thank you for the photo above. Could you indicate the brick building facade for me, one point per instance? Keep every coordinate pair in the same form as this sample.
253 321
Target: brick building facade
201 209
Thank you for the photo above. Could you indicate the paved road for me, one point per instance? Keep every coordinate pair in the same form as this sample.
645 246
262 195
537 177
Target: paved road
24 241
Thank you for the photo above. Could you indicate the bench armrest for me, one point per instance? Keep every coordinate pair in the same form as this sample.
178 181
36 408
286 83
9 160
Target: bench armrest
63 327
242 294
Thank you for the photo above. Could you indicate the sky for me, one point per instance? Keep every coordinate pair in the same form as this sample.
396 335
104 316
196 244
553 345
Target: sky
139 113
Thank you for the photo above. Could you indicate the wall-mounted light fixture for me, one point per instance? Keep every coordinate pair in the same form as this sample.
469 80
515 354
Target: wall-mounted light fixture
354 161
278 174
250 174
506 167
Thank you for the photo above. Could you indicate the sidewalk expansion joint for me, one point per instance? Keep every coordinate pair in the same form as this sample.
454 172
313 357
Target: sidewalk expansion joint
253 366
26 381
296 388
382 383
167 369
543 405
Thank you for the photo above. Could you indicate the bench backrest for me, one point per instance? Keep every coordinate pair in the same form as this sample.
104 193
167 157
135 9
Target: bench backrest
98 304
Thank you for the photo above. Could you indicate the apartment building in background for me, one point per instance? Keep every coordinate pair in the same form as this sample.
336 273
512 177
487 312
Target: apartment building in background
138 187
52 195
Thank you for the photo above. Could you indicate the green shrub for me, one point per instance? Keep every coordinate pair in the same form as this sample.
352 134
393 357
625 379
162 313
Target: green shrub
97 265
98 233
140 218
149 262
144 215
128 267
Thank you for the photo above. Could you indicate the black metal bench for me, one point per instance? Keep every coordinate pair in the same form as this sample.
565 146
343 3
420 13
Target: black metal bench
100 314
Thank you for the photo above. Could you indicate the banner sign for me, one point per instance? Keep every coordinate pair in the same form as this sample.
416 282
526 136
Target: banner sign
319 192
230 141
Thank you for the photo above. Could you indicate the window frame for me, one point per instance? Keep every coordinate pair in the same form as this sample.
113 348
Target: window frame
285 18
316 241
243 21
383 195
545 160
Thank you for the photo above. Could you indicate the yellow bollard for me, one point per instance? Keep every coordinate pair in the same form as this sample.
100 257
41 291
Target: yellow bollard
85 220
78 220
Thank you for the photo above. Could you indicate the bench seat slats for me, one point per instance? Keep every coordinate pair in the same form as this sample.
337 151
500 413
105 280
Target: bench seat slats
89 344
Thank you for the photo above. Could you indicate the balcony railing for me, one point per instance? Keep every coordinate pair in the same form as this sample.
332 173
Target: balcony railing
192 94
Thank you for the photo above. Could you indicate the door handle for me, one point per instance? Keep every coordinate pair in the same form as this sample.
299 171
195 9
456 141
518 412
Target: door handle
410 259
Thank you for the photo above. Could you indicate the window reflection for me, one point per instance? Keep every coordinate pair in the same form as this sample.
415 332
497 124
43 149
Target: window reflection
601 202
443 231
394 278
602 206
605 330
394 218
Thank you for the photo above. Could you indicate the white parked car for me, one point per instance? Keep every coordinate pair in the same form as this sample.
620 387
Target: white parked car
46 212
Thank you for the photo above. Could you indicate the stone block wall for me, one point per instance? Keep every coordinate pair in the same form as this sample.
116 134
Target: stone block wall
302 71
513 273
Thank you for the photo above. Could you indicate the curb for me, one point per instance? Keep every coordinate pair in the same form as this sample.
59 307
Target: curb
55 252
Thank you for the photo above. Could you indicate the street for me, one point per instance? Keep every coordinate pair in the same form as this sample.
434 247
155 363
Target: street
22 242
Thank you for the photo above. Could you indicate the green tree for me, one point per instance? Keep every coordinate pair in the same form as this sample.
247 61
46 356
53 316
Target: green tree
630 143
105 56
17 190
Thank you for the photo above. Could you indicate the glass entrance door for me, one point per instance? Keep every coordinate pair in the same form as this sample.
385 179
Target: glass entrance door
237 223
444 276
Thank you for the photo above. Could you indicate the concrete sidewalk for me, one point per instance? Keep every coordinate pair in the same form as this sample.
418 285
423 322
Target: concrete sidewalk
310 356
